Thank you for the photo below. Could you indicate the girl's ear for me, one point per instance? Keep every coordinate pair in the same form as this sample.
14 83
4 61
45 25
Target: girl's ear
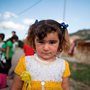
67 40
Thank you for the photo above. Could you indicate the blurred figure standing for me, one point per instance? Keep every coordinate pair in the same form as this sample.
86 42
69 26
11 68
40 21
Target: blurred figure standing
15 41
3 76
14 33
9 51
28 50
2 36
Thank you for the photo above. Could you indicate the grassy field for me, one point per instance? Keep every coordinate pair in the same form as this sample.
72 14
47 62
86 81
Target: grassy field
80 72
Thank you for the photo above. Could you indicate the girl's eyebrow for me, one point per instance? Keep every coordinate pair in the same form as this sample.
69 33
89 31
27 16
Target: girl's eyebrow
49 41
53 41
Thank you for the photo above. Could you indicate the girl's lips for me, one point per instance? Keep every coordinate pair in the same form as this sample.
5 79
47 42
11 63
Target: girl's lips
46 53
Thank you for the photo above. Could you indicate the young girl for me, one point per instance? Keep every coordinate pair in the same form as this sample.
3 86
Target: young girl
44 70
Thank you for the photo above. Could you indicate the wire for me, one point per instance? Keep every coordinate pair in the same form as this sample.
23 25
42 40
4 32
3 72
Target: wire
25 10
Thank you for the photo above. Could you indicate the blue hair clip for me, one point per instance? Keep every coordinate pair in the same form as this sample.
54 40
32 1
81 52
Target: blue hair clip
63 25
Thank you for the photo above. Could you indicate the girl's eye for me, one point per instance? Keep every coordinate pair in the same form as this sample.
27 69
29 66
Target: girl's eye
52 42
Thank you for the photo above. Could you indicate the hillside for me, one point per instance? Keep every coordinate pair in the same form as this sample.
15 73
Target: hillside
84 34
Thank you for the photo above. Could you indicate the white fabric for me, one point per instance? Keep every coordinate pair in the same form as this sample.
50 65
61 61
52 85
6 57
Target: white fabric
45 71
15 44
1 44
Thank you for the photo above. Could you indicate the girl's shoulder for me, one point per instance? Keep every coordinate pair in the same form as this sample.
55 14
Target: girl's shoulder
62 60
20 67
8 42
29 59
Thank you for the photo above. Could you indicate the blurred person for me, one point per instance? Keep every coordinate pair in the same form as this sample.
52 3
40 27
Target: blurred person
72 48
2 36
14 33
15 41
8 46
28 50
17 54
3 76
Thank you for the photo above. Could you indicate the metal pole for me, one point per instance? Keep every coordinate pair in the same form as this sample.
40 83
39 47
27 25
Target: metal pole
64 10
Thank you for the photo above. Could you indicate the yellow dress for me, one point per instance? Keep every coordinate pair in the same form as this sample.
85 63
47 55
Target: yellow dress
44 75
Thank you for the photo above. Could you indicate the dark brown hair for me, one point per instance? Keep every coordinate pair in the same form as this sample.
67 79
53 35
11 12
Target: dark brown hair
42 28
2 35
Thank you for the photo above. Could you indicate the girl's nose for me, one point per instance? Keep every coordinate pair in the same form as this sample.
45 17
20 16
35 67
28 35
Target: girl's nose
46 46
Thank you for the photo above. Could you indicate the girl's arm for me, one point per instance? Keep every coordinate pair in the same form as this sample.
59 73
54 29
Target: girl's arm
2 49
65 84
7 52
17 83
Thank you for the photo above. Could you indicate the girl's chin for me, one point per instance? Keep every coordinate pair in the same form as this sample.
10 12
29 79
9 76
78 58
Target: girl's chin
48 58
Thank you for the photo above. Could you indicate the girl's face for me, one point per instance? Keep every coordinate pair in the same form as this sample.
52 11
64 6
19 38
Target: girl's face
47 48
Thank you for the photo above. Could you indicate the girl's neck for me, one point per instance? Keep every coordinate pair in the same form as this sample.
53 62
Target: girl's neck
47 60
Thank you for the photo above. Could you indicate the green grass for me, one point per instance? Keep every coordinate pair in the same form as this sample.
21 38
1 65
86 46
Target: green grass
80 72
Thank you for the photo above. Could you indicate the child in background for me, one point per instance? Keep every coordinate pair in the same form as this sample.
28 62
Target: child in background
3 76
2 36
44 70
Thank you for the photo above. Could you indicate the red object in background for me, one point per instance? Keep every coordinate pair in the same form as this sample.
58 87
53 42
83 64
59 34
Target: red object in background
71 51
3 80
28 50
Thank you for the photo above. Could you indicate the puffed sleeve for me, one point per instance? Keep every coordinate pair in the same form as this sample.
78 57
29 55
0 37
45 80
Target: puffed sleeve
67 70
21 67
